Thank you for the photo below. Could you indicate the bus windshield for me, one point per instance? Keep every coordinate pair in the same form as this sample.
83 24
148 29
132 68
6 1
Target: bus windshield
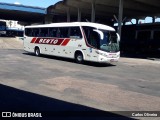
110 42
102 39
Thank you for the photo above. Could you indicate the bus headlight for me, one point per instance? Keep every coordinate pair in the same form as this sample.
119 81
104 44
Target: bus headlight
103 54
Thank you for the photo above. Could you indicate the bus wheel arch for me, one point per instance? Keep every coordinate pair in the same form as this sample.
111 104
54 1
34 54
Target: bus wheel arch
79 57
37 51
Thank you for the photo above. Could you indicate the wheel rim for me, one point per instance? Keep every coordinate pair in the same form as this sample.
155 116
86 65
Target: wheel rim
37 52
79 58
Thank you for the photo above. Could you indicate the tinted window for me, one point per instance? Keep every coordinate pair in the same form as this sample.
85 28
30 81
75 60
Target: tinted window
28 32
32 32
63 32
75 32
43 32
35 32
92 37
59 32
53 32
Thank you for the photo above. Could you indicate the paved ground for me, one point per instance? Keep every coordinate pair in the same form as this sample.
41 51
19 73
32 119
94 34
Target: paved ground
129 85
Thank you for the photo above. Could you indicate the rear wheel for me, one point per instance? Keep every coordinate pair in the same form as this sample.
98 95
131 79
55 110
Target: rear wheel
79 57
37 51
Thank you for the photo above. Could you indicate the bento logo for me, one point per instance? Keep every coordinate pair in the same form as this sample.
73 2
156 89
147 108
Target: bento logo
48 41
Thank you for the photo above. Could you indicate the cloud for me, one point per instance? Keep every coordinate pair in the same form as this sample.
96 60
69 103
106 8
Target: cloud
17 3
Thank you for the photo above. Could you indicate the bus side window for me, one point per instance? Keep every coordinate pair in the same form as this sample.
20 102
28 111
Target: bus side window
75 32
35 32
28 32
63 32
94 39
43 32
92 36
53 32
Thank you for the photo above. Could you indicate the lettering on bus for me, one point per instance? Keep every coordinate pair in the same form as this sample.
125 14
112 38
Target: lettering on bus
48 41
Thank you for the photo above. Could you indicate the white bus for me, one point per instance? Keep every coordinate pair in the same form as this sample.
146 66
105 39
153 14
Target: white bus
82 41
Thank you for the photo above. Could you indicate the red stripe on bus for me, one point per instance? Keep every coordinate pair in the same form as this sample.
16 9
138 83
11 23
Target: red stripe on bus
66 41
33 40
49 41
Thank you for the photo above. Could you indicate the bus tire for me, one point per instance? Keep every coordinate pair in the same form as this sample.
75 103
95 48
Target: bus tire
79 57
37 51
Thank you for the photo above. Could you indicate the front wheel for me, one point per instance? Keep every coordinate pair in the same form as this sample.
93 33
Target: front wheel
79 58
37 52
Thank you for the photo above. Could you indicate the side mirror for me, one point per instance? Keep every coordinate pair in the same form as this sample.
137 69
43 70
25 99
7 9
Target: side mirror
118 37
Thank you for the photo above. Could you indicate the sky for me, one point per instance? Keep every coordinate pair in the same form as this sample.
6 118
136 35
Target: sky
37 3
146 20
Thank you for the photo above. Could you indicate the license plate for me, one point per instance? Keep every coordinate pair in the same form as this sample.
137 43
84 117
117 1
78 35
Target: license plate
112 60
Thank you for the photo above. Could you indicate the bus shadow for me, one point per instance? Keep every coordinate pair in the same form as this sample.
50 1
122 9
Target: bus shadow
19 101
93 64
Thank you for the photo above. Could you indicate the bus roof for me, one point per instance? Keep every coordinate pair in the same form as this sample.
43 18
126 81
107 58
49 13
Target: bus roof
70 24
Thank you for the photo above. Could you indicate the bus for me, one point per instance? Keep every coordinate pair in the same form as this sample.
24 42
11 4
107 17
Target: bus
9 32
82 41
14 32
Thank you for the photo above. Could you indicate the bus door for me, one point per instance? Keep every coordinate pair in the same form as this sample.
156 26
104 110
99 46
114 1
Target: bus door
93 43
